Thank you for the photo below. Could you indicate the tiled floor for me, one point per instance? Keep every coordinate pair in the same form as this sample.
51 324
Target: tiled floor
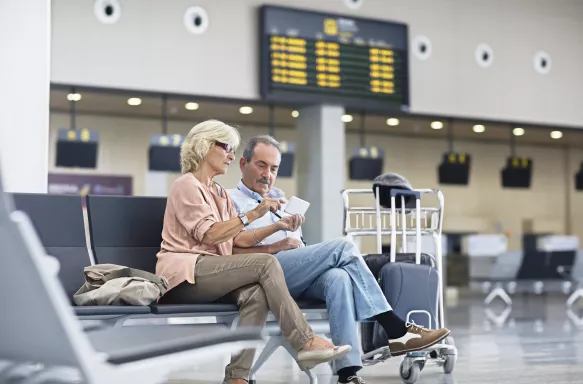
539 342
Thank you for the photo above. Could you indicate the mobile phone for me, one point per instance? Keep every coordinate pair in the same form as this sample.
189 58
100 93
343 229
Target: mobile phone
296 206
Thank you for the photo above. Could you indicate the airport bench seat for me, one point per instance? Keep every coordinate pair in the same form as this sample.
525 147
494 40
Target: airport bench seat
111 310
211 309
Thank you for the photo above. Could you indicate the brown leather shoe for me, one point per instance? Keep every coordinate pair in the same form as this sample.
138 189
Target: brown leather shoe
417 338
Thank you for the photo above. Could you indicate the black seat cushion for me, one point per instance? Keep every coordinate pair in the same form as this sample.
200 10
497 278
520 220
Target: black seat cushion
162 309
126 230
72 263
58 220
111 310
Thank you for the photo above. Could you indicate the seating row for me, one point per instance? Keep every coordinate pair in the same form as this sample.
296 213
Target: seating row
125 231
122 230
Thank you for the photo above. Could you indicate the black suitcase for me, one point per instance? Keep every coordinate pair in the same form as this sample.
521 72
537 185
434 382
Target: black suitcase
412 291
375 263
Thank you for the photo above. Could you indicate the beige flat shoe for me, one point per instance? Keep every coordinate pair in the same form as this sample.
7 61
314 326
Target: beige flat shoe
309 359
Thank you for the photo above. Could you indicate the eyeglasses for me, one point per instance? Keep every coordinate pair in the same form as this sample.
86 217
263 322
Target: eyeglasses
227 147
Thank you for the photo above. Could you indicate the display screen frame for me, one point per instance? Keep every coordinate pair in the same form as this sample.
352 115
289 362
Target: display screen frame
306 97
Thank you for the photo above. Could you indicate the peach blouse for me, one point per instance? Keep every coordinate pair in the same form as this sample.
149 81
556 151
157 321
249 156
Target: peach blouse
191 209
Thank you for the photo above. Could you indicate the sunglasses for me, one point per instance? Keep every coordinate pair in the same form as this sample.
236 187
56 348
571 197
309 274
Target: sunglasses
227 147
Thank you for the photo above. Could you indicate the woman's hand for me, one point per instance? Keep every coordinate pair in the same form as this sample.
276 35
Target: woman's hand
290 223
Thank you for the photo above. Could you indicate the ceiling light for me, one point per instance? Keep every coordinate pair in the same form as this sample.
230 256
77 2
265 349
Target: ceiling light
436 124
295 114
347 118
133 101
479 128
556 135
74 96
246 110
518 131
191 106
392 122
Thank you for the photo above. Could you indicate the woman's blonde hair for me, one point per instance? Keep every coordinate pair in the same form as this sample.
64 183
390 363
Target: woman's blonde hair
200 139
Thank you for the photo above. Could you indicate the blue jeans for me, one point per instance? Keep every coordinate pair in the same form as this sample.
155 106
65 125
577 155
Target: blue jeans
335 272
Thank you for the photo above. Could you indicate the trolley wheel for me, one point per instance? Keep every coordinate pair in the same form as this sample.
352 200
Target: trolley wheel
449 363
411 375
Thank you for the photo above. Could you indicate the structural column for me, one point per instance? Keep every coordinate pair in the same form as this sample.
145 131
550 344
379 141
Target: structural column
24 94
321 170
156 184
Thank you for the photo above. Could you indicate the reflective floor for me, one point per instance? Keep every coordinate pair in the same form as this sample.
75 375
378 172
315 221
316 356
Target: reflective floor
535 341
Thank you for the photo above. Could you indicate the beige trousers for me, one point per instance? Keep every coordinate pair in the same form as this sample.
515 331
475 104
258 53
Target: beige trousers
255 282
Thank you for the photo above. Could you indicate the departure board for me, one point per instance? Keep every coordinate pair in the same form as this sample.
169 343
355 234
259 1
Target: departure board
316 57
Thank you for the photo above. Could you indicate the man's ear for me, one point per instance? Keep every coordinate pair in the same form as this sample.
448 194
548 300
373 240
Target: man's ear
242 163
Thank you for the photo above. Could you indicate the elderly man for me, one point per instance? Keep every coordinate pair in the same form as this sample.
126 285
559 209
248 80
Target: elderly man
333 271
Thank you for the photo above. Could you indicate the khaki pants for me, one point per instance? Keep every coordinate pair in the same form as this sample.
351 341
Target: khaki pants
256 283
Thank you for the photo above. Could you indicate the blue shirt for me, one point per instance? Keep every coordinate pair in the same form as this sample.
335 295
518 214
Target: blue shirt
246 200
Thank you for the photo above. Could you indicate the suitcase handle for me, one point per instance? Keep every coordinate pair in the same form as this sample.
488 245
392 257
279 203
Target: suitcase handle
404 192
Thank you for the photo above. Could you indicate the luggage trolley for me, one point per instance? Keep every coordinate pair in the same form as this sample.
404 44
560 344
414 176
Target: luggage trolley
420 221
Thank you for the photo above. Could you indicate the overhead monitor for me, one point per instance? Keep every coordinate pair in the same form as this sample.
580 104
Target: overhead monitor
311 56
366 163
517 173
164 153
454 169
77 148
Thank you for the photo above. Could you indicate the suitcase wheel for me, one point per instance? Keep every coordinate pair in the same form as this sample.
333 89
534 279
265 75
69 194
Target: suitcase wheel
410 369
449 364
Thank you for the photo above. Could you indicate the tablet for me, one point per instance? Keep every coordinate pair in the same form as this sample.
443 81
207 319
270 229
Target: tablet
296 206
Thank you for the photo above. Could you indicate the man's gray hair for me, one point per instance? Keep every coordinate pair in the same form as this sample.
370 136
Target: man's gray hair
262 139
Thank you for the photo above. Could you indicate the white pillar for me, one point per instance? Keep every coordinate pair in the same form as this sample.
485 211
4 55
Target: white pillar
321 159
156 184
24 94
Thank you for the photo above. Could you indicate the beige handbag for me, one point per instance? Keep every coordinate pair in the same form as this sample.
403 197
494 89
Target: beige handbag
110 284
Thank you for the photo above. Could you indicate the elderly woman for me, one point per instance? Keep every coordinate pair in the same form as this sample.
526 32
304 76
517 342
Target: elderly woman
201 226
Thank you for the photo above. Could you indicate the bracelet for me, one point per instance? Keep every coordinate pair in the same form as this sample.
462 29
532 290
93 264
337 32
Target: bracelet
254 238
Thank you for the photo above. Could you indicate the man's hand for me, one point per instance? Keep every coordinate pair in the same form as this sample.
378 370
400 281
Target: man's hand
266 205
286 244
290 223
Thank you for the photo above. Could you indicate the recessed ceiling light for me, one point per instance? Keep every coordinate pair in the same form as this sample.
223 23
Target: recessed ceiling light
393 122
556 135
74 96
295 113
347 118
134 101
436 124
518 131
479 128
191 106
245 110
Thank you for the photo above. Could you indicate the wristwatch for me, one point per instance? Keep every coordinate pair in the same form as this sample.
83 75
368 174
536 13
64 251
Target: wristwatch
244 219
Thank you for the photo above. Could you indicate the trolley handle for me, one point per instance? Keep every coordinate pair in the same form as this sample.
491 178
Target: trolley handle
394 192
405 192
